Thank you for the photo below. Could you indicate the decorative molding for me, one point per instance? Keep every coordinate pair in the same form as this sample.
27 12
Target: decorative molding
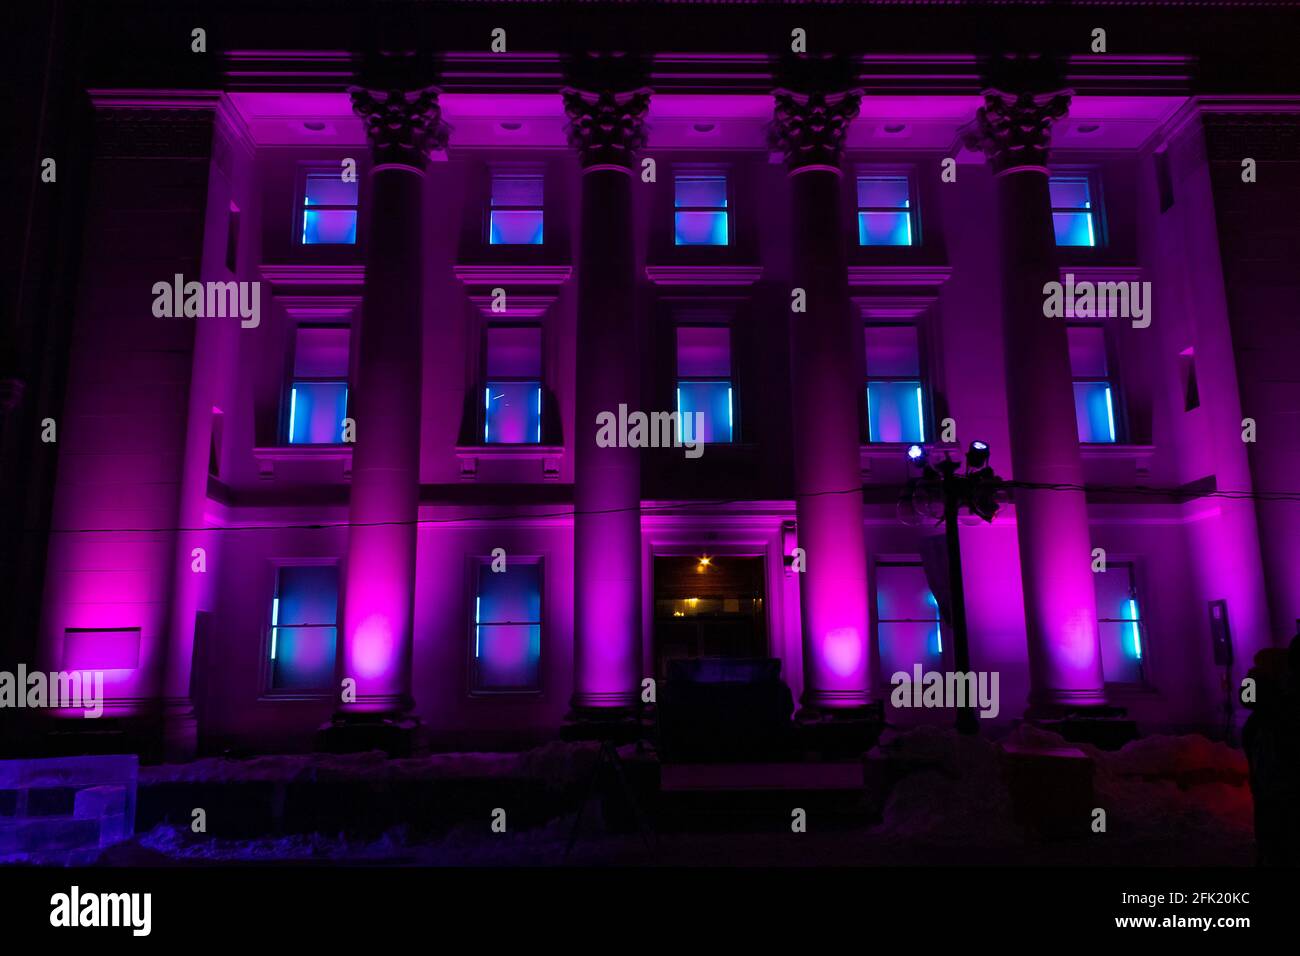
890 307
1014 130
606 127
403 126
516 306
810 129
549 456
511 274
308 275
898 276
266 457
1102 273
704 275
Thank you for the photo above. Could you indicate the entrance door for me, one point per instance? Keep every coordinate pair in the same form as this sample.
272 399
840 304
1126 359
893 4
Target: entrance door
708 607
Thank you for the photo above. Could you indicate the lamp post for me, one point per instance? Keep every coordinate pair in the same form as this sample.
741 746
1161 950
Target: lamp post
977 489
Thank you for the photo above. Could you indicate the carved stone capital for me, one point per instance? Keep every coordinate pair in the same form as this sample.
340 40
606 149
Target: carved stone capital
811 128
606 127
403 125
1014 129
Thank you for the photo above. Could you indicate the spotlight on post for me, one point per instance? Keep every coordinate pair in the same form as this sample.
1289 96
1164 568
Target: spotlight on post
977 456
916 454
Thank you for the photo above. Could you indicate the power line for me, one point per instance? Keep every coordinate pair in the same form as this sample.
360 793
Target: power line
1174 495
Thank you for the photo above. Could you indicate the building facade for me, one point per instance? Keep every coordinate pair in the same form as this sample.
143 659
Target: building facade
347 423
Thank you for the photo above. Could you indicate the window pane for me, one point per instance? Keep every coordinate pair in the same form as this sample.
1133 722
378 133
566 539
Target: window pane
703 351
1094 411
894 412
515 227
892 351
888 192
329 189
514 352
321 352
1087 351
902 645
714 400
324 226
316 412
884 228
303 632
1121 660
1073 228
701 228
1115 593
1069 192
903 594
514 413
517 190
708 191
507 628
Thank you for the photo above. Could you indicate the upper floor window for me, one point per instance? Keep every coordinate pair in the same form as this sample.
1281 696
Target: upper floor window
704 382
885 211
895 397
304 627
516 214
701 214
512 395
1119 622
507 632
318 391
329 209
1073 212
908 627
1094 400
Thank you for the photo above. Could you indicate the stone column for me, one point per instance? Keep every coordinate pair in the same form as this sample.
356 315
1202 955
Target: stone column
1013 129
379 599
606 127
825 345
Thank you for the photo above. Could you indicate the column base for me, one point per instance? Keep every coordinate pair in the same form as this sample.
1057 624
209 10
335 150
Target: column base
1107 728
838 731
356 733
618 725
180 731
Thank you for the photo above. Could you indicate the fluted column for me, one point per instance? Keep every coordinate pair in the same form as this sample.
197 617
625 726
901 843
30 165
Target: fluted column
606 128
824 339
378 605
1013 128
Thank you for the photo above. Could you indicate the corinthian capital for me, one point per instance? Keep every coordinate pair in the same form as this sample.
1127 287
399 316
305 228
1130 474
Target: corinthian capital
606 127
810 128
1014 130
402 125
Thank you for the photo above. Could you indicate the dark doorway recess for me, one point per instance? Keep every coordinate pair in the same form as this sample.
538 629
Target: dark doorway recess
708 606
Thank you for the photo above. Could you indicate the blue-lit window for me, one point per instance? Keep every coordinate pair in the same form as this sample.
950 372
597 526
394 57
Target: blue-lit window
885 211
895 396
507 630
1094 398
516 216
908 626
1119 623
318 392
304 627
1074 216
700 215
329 209
512 396
704 383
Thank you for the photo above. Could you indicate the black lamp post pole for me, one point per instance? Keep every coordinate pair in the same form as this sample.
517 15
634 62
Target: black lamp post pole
967 723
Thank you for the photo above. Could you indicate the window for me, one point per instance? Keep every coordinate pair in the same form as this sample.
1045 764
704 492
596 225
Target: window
1119 621
704 382
885 211
515 218
507 627
1094 400
700 216
318 394
329 209
1073 214
512 397
908 627
304 631
895 400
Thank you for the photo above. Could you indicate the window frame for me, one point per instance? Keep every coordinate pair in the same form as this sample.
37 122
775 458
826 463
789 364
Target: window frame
704 172
1118 422
922 376
513 172
901 561
476 565
678 378
306 171
1136 592
1091 176
267 682
485 383
292 379
908 175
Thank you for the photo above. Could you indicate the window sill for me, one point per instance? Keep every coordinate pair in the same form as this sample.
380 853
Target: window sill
549 455
292 696
267 456
1139 455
